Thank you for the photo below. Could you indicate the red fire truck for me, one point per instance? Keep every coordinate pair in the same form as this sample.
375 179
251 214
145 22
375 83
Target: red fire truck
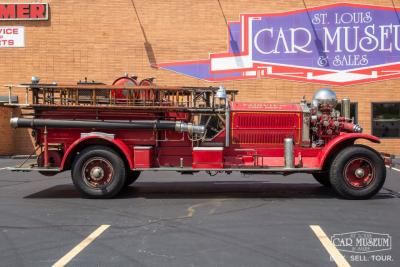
108 134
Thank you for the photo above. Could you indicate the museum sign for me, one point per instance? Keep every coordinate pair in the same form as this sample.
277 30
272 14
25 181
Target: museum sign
338 44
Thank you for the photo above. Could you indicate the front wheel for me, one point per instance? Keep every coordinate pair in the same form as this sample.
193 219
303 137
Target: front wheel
357 172
98 172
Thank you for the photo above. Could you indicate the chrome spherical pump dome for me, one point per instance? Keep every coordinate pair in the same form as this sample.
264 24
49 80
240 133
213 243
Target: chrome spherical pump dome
325 97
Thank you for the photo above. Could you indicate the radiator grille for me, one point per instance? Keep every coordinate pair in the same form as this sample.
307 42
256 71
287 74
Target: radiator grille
265 128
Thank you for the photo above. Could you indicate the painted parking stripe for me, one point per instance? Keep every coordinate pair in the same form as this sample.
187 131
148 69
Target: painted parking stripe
81 246
6 168
393 168
332 250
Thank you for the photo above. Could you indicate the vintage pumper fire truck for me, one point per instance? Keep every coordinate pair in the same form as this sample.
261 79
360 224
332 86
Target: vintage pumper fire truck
108 134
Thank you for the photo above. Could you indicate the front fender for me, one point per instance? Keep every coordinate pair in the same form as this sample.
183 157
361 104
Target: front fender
343 139
96 140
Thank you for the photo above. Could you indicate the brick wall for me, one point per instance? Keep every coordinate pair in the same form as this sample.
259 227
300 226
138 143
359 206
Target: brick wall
6 133
103 39
13 141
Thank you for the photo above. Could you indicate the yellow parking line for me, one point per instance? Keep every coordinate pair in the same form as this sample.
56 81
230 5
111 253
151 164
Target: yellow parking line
192 209
81 246
332 250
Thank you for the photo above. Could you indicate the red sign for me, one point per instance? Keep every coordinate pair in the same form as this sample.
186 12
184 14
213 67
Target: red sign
34 11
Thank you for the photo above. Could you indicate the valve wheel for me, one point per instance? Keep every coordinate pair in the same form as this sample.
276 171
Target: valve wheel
359 172
97 172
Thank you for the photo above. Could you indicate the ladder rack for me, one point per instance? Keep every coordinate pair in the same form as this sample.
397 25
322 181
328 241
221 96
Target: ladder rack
153 97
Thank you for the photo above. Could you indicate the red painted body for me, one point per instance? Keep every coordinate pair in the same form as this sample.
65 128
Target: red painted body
72 148
347 139
208 157
257 131
143 157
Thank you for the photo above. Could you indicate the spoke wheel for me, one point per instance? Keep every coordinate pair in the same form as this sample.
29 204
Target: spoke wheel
99 172
359 172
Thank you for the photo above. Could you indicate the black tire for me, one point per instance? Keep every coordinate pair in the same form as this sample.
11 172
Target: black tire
322 178
357 172
103 162
132 177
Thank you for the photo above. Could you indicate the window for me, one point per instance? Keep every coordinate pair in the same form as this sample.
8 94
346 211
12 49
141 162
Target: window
386 119
353 111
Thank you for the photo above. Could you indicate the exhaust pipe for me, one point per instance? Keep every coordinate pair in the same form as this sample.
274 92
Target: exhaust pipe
178 126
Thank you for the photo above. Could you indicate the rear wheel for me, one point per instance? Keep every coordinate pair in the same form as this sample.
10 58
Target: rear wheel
99 172
357 172
322 178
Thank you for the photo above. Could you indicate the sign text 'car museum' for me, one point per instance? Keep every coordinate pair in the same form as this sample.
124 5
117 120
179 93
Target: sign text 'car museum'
337 44
24 11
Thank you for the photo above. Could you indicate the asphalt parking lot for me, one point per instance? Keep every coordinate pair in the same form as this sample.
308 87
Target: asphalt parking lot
166 219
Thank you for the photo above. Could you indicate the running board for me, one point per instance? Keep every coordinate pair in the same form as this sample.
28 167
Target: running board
177 169
250 170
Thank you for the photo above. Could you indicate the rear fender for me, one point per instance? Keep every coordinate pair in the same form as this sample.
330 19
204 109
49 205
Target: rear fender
82 143
340 142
